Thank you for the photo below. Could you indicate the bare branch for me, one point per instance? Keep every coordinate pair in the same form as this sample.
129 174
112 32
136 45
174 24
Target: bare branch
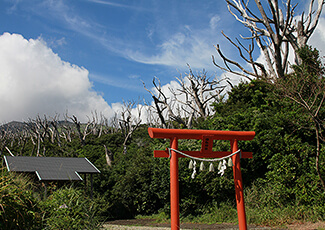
278 26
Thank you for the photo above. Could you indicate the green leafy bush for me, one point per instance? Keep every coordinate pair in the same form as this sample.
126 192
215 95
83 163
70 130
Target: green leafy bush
19 209
68 208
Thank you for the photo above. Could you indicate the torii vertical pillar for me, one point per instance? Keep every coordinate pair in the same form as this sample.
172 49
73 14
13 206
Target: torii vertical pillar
238 186
207 137
174 186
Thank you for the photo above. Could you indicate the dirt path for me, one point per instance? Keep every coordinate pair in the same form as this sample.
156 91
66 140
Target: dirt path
146 224
124 227
307 226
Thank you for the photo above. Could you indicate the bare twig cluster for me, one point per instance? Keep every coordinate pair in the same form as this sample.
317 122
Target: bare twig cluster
128 122
190 100
275 29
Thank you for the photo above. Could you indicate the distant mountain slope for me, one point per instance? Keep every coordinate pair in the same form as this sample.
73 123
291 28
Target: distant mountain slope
17 126
14 126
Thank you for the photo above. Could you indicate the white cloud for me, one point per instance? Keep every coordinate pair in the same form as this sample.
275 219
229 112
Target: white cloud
113 4
34 80
181 48
214 21
318 38
134 76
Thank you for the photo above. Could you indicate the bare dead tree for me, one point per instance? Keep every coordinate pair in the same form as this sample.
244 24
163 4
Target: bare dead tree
152 120
11 133
129 123
109 156
102 124
94 123
275 30
43 128
34 145
66 134
35 126
66 130
162 102
54 129
97 124
77 124
198 91
88 129
190 100
114 123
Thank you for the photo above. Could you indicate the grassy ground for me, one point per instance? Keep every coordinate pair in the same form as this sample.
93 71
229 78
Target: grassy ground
274 218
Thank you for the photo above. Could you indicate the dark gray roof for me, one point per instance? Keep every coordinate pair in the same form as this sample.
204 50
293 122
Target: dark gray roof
51 168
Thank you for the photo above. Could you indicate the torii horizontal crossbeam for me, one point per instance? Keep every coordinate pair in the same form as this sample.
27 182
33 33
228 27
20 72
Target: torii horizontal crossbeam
199 134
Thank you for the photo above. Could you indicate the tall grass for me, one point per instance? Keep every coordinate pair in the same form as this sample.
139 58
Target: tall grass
266 206
68 208
263 207
18 207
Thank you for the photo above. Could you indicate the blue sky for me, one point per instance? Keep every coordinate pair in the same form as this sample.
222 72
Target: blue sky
121 42
113 45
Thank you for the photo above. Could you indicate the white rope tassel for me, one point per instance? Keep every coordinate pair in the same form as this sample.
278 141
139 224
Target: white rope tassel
194 170
202 167
190 166
223 167
219 165
211 168
230 164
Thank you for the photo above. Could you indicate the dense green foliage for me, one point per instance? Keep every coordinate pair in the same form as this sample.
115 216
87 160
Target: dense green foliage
305 87
282 171
18 207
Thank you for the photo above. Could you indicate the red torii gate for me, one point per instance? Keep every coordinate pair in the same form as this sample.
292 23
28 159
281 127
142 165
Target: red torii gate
207 137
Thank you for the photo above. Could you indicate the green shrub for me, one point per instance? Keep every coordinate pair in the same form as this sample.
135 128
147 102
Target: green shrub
19 209
68 208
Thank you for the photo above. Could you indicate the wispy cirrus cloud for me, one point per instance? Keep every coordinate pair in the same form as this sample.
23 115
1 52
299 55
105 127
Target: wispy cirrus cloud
119 5
117 82
177 51
187 46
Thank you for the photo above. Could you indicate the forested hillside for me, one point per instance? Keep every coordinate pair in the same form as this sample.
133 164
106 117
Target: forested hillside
281 181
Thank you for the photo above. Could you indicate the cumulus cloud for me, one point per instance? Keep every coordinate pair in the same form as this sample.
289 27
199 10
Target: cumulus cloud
34 80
